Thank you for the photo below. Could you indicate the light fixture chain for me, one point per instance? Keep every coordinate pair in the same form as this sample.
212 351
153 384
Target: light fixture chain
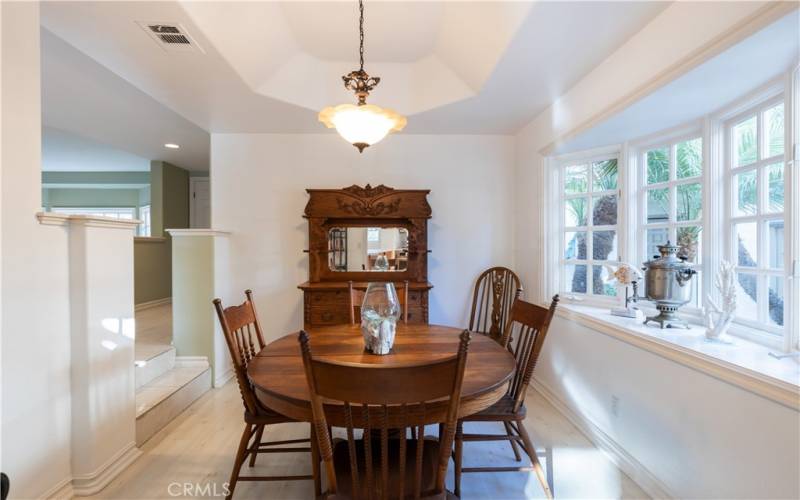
361 33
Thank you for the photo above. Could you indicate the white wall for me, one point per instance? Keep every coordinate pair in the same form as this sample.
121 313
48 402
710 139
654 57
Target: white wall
258 184
700 437
35 322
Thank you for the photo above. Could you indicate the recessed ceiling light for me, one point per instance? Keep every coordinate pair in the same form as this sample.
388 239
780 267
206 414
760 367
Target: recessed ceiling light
171 146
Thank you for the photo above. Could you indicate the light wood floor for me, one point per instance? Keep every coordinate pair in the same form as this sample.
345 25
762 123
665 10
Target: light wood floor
197 449
153 331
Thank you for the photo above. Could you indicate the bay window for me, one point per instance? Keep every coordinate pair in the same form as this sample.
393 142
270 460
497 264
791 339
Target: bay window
720 188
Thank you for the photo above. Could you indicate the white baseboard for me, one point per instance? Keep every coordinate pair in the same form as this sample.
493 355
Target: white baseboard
621 458
89 484
191 361
152 303
61 491
222 378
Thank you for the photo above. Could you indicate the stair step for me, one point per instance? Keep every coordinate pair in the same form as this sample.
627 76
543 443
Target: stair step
153 362
165 397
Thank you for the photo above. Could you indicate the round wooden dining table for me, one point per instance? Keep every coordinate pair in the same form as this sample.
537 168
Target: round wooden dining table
279 377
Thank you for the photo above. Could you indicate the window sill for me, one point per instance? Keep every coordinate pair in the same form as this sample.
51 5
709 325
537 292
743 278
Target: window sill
742 363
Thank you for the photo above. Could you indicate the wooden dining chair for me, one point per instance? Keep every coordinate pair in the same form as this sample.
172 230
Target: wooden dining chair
495 291
524 336
384 402
245 339
357 298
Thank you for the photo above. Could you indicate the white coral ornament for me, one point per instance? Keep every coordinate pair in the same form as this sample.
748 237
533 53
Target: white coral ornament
719 318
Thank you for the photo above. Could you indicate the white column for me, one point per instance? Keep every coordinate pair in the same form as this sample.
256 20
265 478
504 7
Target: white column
102 348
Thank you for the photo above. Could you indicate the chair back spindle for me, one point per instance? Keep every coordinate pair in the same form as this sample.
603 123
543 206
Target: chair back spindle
244 338
424 394
495 291
524 336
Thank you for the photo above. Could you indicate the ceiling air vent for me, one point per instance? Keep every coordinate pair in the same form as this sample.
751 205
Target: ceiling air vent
171 37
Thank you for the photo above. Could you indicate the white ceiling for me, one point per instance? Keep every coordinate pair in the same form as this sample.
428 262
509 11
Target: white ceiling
751 63
94 119
453 67
63 151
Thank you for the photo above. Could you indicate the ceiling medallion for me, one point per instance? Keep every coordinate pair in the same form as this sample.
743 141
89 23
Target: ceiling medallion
361 124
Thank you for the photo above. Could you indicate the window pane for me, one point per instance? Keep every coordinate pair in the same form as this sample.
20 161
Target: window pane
656 237
689 156
773 131
747 296
746 235
657 165
576 278
697 289
575 212
604 210
746 193
774 248
775 306
776 187
689 202
575 179
575 245
599 285
658 205
604 174
604 245
745 142
689 239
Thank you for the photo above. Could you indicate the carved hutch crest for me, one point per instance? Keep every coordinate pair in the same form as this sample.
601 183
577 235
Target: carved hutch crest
364 234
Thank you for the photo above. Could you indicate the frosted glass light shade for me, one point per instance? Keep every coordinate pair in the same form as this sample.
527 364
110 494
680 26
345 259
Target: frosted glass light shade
364 125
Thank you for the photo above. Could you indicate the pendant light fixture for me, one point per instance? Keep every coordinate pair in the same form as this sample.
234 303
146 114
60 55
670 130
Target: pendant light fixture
361 124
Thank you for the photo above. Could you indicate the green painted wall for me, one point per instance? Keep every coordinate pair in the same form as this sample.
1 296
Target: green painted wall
152 269
96 178
193 287
176 197
91 197
169 208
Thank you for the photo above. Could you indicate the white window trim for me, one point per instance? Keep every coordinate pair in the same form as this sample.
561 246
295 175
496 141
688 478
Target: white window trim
759 166
555 249
94 210
145 228
714 182
639 225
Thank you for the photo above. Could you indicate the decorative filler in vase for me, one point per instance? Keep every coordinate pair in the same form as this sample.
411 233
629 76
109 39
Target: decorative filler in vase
626 275
725 282
379 314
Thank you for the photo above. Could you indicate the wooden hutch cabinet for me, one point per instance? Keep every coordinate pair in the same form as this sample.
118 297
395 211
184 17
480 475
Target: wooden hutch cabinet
364 234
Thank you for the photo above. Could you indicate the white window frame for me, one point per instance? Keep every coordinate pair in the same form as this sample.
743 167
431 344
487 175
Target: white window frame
113 212
145 227
556 171
759 330
716 181
638 151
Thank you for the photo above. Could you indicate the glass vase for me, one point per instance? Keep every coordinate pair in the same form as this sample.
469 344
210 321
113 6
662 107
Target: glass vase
379 313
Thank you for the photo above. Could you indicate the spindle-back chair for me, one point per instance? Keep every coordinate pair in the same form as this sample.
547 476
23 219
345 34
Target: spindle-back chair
357 298
524 336
384 401
495 291
245 339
